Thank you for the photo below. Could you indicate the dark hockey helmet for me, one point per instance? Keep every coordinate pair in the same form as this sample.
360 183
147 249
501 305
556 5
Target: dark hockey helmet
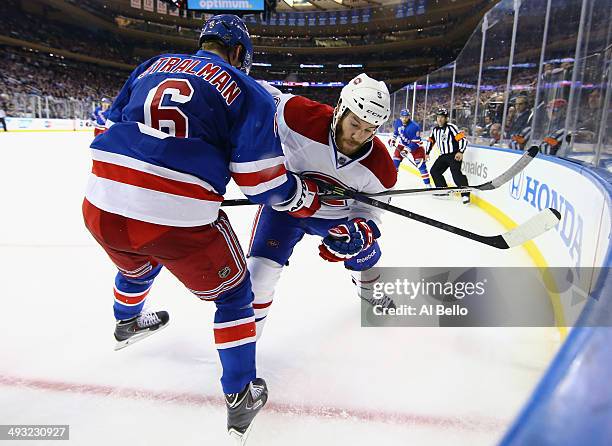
230 30
442 112
404 112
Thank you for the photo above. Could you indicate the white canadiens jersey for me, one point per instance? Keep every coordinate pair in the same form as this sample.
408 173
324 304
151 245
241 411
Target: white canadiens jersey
305 130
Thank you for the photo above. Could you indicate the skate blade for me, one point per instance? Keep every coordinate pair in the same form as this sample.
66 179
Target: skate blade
139 337
239 439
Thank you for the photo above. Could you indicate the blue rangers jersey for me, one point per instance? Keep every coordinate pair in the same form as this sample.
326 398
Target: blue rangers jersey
99 116
396 124
180 128
409 135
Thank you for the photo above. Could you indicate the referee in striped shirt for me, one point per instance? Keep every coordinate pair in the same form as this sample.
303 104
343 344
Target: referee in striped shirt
452 143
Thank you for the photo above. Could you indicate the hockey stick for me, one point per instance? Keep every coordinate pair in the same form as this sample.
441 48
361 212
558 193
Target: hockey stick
535 226
495 183
516 168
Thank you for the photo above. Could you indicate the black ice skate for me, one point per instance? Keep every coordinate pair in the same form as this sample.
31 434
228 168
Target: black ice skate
139 327
366 292
384 302
242 408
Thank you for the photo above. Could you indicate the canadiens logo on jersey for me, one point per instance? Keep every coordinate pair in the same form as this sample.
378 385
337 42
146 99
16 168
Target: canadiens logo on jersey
273 243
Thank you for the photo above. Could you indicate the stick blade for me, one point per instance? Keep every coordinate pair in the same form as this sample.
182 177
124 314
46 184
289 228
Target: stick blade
532 228
514 170
533 151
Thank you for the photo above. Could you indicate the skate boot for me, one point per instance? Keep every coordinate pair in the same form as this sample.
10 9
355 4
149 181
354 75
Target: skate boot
242 408
364 281
132 330
384 302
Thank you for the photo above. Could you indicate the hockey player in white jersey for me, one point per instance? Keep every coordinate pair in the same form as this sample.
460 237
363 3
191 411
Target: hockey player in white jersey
337 146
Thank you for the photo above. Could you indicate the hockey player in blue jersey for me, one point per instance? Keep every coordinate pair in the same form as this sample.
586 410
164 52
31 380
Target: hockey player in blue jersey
99 116
407 142
180 128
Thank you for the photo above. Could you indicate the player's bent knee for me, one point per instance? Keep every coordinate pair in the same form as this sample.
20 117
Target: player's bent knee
264 277
366 259
263 269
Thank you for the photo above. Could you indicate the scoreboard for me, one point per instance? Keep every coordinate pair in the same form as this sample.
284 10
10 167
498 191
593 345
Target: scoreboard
226 5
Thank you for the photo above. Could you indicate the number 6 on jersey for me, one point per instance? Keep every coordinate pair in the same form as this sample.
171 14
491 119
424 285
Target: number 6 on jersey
170 117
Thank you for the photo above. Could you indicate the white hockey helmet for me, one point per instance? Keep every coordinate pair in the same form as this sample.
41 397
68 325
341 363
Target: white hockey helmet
367 98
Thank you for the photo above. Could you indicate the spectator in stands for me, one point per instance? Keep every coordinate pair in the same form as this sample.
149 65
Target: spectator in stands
590 117
488 122
522 120
495 134
547 72
555 136
510 116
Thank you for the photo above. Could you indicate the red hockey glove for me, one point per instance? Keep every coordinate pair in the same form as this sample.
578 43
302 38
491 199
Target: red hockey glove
305 202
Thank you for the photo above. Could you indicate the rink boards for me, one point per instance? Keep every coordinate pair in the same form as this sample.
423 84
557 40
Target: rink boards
572 403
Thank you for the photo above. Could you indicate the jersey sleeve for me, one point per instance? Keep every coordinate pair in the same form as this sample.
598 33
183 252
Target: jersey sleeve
461 140
114 113
257 162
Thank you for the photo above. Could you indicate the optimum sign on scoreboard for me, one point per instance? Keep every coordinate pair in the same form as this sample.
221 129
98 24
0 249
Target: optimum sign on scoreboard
226 5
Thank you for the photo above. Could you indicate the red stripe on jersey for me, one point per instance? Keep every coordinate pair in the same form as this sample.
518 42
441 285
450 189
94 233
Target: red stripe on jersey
261 306
235 333
130 300
145 180
380 164
261 176
309 118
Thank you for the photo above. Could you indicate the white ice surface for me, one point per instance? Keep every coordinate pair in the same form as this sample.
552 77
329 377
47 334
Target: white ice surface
331 381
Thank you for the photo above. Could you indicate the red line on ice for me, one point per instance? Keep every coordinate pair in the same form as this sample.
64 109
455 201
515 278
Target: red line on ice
193 399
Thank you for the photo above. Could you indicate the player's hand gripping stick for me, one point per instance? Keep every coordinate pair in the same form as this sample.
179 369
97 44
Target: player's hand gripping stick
349 239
